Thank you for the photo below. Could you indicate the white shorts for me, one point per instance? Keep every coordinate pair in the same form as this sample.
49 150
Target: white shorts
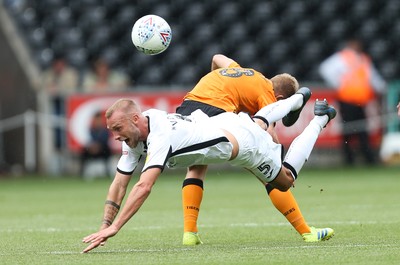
258 153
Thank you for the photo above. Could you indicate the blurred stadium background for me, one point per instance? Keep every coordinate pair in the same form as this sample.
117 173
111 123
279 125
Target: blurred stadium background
272 36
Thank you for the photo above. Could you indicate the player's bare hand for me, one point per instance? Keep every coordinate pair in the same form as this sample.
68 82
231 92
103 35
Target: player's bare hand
99 238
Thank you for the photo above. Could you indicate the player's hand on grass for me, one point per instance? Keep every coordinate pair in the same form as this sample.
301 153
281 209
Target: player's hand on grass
99 238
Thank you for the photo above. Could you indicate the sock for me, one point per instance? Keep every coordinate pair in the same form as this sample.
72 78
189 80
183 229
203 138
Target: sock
192 194
287 205
277 110
302 145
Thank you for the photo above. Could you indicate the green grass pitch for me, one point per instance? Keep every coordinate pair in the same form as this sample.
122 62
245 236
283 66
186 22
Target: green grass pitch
43 220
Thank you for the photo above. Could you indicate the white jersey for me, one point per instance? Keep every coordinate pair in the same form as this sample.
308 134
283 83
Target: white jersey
177 141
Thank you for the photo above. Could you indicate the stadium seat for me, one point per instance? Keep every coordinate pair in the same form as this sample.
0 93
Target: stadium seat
246 54
260 11
98 39
49 6
176 56
200 36
151 76
337 30
192 16
28 19
328 10
137 64
295 11
78 58
226 14
278 51
269 33
187 76
44 57
124 20
304 31
112 55
162 10
378 49
91 18
37 39
390 10
67 39
360 9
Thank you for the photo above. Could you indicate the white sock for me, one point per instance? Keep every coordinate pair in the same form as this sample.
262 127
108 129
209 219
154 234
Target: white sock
277 110
301 147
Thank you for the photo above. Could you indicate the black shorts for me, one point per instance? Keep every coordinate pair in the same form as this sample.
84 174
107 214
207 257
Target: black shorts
188 106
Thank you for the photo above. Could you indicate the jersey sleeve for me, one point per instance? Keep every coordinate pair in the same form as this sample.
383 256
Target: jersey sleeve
129 159
158 152
234 65
264 93
264 100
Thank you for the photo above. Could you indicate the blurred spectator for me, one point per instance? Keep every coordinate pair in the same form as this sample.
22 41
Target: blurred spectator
98 147
357 82
103 79
59 81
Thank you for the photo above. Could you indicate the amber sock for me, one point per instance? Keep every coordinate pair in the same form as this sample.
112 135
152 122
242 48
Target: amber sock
192 194
287 205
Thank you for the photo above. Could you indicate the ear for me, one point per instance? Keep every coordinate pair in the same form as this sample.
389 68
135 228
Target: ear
279 97
135 117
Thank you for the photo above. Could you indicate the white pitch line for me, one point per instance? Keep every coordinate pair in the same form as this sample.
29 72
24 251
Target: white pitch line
277 224
319 246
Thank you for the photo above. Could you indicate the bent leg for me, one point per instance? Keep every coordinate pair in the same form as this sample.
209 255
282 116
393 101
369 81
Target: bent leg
301 147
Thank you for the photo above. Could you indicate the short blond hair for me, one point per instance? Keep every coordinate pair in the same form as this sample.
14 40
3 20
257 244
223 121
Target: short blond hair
285 85
124 105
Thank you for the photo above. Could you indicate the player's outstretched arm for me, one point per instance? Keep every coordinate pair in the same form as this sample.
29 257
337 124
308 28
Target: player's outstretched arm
116 194
135 200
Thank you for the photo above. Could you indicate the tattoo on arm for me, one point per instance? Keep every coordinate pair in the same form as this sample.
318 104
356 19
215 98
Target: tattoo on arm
110 212
113 204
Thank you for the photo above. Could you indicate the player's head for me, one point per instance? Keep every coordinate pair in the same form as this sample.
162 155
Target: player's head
126 122
355 44
124 105
285 85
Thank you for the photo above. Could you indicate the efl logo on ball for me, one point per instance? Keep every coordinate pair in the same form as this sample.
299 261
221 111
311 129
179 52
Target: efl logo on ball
151 34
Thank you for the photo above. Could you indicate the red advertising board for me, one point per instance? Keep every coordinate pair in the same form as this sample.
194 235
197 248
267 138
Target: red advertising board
81 108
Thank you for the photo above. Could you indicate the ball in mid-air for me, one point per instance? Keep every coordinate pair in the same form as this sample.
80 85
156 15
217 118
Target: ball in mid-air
151 34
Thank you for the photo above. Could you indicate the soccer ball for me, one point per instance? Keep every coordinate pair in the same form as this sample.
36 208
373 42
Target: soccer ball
151 34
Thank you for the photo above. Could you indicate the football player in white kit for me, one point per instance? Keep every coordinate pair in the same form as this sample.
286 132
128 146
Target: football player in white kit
176 141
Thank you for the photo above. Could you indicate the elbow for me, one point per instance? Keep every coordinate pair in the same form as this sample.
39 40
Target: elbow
216 56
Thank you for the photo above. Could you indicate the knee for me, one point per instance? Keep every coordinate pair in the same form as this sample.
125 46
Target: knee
285 186
284 181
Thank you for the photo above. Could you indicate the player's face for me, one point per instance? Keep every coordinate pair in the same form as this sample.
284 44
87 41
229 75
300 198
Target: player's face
124 128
